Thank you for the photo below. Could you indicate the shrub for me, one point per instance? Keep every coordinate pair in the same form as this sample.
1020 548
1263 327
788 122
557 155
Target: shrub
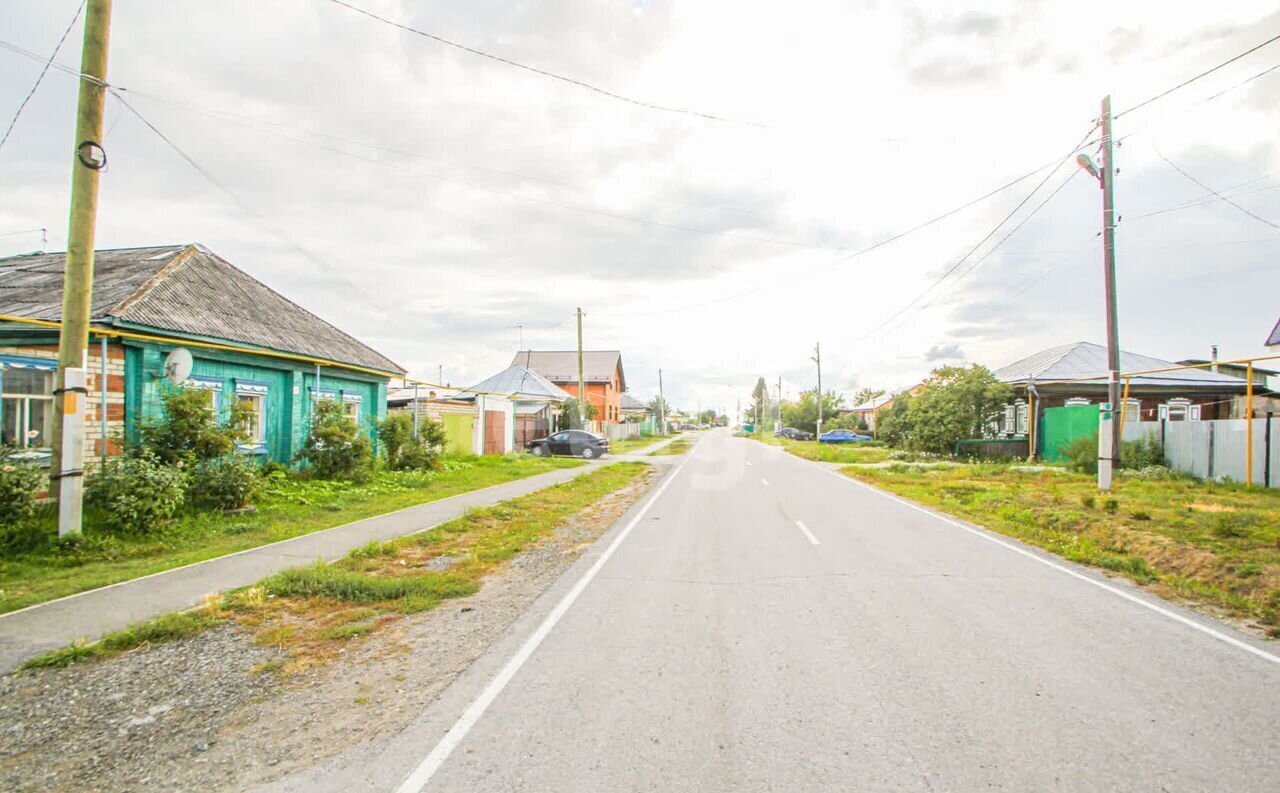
189 430
1111 505
20 483
226 483
1082 454
138 492
1233 525
405 452
1088 502
335 447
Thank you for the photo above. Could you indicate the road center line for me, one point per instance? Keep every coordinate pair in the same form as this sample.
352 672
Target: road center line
812 539
764 481
421 775
1190 623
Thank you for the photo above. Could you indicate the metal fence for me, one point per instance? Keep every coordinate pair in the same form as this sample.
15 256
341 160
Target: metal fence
1216 449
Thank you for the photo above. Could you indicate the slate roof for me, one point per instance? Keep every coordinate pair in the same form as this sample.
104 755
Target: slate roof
183 289
629 403
1087 360
517 381
1274 339
561 366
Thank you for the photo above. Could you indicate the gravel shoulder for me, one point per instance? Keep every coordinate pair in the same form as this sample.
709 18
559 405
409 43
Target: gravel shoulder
194 715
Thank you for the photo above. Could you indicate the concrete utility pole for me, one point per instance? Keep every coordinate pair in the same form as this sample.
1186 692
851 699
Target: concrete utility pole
1109 453
582 391
779 424
817 358
67 468
662 404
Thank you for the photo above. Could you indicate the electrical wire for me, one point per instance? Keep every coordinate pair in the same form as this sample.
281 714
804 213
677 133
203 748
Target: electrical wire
43 71
1220 196
543 72
1205 73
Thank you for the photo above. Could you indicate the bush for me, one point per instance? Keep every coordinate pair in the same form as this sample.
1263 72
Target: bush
405 452
230 482
138 492
189 430
20 483
335 447
1082 454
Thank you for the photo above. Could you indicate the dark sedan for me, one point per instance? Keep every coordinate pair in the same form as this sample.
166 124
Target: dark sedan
571 443
793 434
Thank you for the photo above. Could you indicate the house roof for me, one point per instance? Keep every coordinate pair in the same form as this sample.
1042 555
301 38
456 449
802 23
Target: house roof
518 381
561 366
1234 366
182 289
630 403
1274 339
873 404
405 394
1084 359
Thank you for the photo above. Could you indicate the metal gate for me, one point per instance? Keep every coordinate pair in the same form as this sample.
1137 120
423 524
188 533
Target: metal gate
529 428
495 430
1060 426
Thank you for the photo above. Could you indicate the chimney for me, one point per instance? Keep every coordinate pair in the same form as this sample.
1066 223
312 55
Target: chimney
1214 368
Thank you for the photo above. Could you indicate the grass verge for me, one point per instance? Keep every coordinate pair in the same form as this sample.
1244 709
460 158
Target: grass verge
678 446
1208 543
851 453
627 445
289 508
314 612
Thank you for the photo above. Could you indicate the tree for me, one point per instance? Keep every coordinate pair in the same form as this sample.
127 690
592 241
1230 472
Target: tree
188 431
803 414
893 423
956 402
569 418
863 395
762 407
660 408
706 417
405 451
335 448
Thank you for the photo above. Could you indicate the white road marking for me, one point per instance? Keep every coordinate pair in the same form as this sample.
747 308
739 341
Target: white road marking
812 539
764 481
1190 623
421 775
748 462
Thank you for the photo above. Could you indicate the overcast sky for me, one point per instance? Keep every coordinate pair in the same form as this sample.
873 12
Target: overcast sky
429 201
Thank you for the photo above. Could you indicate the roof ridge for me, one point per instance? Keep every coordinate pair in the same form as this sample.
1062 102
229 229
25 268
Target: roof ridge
180 258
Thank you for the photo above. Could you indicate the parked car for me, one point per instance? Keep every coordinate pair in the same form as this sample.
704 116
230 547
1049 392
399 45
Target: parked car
842 436
793 434
572 443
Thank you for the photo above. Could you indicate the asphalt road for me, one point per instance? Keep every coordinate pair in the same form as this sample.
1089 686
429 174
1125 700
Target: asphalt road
765 625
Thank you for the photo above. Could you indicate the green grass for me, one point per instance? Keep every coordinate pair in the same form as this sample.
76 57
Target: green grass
851 453
627 445
289 508
312 611
1207 542
165 628
678 446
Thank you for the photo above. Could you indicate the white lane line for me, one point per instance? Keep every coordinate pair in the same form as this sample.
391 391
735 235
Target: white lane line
812 539
421 775
1190 623
748 462
764 481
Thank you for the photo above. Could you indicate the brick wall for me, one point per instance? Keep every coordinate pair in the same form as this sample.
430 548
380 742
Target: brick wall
94 406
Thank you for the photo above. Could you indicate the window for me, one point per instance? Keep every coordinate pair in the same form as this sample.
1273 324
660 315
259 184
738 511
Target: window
26 405
253 397
1023 416
212 386
1132 410
1179 410
351 406
1010 411
1075 401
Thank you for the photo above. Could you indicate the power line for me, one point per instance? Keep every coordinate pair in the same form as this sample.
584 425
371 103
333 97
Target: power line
1205 73
43 72
543 72
1175 167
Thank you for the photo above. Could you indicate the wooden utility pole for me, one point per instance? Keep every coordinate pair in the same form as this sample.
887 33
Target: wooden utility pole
67 465
582 391
779 404
817 358
1109 458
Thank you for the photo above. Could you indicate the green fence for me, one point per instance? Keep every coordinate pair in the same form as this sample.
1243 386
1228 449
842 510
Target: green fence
1061 426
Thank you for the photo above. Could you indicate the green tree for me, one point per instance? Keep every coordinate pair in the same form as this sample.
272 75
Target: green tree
404 451
762 408
335 448
863 395
893 423
706 417
189 430
803 413
956 402
569 418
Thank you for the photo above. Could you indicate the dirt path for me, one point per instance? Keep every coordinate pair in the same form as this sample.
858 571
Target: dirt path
192 716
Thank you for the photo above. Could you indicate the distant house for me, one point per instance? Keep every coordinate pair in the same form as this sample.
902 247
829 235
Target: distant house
515 406
1076 374
632 408
250 345
1274 339
868 412
442 405
602 375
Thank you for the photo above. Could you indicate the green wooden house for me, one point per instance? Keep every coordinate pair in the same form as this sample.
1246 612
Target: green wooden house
249 344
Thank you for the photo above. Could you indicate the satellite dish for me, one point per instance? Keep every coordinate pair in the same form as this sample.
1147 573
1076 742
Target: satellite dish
177 366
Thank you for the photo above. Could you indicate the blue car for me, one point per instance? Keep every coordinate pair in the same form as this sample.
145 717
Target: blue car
842 436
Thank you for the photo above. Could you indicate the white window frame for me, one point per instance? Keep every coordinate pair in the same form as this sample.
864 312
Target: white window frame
1076 401
348 402
1022 418
213 387
22 402
1010 419
255 393
1133 410
1179 407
